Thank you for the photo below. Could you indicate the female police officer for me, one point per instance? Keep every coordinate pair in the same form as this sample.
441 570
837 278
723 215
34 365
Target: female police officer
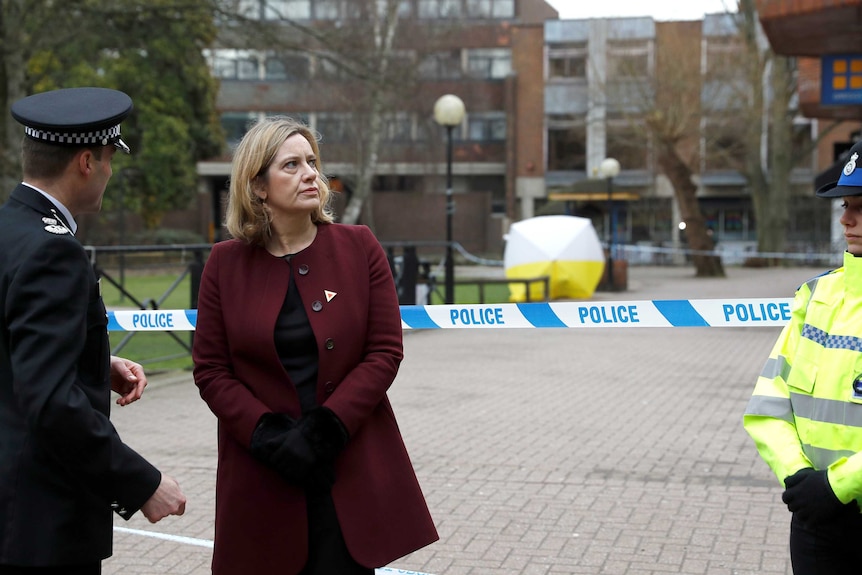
805 414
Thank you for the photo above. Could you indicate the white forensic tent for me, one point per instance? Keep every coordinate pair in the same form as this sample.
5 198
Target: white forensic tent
564 248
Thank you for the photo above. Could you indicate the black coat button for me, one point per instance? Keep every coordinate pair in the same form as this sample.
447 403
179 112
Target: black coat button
329 344
328 387
303 270
316 305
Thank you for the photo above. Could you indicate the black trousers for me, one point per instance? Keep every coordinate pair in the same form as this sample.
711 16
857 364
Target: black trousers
327 552
827 549
90 569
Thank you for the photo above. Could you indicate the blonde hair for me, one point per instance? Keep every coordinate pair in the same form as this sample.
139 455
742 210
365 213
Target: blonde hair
247 217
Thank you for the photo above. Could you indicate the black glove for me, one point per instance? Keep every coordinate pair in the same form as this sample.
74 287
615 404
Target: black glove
268 433
280 443
327 437
809 495
324 432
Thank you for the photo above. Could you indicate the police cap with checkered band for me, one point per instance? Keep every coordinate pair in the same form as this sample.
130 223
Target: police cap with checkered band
850 182
75 116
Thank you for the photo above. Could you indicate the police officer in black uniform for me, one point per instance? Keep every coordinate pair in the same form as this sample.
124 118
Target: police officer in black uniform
63 467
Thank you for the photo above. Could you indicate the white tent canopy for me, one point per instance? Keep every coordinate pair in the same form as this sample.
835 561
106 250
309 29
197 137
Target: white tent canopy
564 248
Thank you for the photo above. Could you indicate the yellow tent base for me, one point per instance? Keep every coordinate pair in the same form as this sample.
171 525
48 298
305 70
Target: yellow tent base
568 279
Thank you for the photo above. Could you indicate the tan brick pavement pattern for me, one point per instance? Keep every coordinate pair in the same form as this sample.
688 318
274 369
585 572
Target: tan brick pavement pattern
543 451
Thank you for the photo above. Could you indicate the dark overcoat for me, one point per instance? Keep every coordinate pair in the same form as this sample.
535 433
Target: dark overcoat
348 293
62 464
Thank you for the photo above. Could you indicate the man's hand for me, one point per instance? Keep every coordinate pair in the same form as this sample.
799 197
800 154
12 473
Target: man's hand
167 500
127 379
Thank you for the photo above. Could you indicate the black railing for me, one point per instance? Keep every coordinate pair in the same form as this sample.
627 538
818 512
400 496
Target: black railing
117 257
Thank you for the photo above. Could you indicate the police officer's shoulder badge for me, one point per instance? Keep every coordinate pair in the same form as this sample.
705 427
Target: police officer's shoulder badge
55 229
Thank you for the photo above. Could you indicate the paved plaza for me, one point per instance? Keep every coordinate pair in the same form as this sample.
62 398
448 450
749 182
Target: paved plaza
541 451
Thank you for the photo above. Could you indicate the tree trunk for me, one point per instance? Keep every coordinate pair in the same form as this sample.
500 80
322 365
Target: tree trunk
699 240
772 84
12 88
774 217
384 27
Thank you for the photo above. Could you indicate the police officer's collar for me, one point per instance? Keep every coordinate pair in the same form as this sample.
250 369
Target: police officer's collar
67 215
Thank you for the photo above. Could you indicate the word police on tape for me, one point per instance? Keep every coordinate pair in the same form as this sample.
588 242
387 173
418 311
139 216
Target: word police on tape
646 313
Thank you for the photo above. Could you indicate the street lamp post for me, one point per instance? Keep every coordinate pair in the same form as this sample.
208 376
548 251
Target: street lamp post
449 112
608 170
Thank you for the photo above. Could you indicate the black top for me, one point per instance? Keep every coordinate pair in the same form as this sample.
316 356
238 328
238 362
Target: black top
296 345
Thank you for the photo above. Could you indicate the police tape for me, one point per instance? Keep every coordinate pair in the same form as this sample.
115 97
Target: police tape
751 312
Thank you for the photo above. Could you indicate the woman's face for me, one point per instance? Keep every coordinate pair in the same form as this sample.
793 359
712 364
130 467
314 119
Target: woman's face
851 219
291 183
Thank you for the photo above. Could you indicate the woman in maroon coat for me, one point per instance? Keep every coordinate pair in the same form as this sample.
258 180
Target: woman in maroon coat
298 338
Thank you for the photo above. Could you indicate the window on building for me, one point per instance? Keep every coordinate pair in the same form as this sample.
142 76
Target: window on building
275 9
722 57
250 9
729 219
330 68
568 62
222 65
285 67
492 63
567 144
630 149
396 183
439 8
274 69
235 64
236 124
725 85
397 127
441 66
629 59
486 9
248 69
327 9
333 126
486 126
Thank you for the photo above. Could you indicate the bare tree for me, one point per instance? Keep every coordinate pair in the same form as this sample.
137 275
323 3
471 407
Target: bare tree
665 109
730 109
771 147
768 140
372 74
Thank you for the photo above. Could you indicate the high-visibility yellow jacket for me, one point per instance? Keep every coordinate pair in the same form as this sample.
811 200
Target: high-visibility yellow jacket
806 409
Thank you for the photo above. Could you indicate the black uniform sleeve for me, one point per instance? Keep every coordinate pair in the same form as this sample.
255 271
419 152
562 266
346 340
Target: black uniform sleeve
60 360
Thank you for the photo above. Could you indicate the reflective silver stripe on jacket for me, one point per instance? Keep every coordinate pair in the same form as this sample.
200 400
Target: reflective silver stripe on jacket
823 458
776 367
827 410
767 406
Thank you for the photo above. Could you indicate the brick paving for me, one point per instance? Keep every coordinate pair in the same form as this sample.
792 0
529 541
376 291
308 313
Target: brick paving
542 451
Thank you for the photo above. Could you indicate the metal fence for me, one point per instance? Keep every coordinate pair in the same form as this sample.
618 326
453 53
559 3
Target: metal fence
111 263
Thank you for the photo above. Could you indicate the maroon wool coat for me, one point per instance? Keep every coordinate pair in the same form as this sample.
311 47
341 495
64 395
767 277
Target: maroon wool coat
261 523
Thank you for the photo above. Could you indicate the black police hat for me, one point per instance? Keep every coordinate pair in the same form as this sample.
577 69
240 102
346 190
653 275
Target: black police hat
850 182
75 116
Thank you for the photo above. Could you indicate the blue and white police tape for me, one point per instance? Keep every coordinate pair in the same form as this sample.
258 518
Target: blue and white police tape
753 312
153 320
